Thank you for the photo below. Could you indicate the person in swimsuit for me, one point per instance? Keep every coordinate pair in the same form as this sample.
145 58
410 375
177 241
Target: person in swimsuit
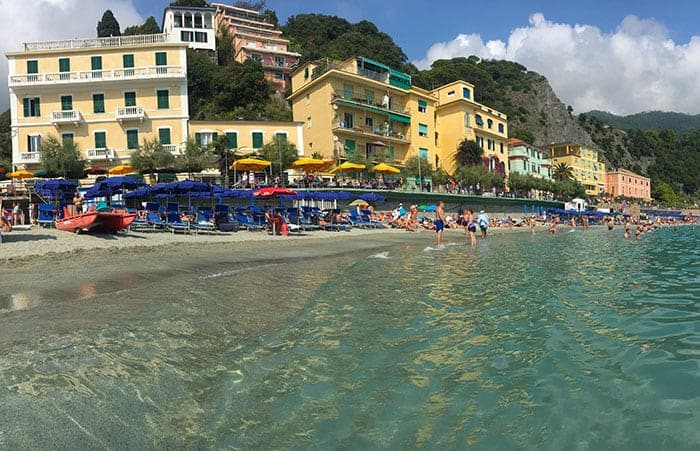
470 225
439 222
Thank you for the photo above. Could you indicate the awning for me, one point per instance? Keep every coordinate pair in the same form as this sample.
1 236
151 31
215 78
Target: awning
399 118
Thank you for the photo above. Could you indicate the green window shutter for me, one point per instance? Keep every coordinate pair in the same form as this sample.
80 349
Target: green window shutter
130 99
257 140
100 140
64 65
282 137
391 153
347 91
27 110
214 138
369 97
67 138
232 139
32 67
161 59
132 139
66 103
163 100
350 146
128 61
37 107
98 103
422 129
96 63
198 139
164 135
423 153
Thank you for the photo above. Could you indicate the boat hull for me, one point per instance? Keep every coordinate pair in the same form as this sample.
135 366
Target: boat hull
76 223
112 222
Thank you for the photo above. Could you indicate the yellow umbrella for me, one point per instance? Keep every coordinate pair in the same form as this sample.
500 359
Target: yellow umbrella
326 165
309 164
121 169
383 168
21 174
348 167
250 164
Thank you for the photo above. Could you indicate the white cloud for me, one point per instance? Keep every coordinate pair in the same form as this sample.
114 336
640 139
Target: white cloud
635 68
45 20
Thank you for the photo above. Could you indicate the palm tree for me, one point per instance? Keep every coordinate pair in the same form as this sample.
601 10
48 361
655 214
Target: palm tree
562 172
468 153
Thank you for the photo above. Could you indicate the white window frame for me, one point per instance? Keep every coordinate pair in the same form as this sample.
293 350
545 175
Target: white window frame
34 142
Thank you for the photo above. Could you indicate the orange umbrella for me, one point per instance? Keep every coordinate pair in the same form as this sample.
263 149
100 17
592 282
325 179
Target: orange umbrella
121 170
21 174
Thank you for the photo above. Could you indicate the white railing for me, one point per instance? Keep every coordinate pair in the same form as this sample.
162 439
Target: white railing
130 112
30 157
116 41
90 76
59 117
100 154
172 148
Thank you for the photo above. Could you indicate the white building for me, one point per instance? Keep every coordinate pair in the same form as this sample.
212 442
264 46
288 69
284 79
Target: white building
194 26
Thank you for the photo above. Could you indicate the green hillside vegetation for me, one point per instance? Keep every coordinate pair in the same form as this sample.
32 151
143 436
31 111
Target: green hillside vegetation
650 120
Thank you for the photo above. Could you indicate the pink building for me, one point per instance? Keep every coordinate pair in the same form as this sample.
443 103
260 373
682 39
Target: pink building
628 184
255 38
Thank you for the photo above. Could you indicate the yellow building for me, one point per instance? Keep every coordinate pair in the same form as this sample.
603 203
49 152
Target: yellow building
246 135
459 117
586 164
361 105
107 95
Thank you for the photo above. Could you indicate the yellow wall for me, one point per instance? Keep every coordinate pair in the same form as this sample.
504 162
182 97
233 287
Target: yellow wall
244 129
585 163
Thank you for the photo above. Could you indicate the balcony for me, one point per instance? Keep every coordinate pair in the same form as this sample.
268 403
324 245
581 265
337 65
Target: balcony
172 148
364 104
370 133
66 117
104 75
131 113
29 157
91 43
100 154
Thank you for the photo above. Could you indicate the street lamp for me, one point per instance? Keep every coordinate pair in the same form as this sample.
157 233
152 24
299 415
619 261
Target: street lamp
226 184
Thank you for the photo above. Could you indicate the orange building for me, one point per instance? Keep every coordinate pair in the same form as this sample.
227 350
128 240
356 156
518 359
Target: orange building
628 184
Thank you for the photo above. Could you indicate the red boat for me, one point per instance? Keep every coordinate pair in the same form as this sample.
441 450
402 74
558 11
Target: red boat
98 221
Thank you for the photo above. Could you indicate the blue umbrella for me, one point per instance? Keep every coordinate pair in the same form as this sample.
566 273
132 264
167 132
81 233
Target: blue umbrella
372 197
121 182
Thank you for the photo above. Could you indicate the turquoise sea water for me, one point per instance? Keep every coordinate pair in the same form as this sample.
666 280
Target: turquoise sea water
575 341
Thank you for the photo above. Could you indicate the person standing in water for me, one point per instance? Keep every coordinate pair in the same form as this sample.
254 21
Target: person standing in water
470 225
439 222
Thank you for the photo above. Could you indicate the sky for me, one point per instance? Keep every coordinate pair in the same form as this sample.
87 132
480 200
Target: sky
622 56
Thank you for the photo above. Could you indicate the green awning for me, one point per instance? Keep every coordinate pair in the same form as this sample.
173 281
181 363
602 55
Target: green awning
375 63
399 118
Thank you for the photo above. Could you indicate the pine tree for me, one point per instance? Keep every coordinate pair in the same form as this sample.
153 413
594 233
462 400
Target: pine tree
108 26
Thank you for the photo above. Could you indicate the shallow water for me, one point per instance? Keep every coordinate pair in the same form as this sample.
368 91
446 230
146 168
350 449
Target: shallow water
576 341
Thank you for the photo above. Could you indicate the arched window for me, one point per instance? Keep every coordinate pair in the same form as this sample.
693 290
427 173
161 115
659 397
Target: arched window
208 21
489 123
177 17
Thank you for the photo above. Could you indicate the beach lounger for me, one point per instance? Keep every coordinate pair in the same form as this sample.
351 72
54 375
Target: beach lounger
358 221
154 221
140 223
225 222
47 215
204 222
247 223
175 224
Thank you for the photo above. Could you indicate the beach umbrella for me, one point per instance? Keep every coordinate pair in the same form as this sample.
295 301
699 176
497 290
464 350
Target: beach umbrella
428 208
94 170
272 191
383 168
348 167
359 203
121 183
121 169
372 197
308 164
2 170
250 164
21 174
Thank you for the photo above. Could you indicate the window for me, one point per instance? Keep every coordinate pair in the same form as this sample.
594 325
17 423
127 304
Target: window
466 93
164 135
96 66
467 120
347 91
67 138
98 103
279 61
308 122
350 146
66 103
100 140
423 153
422 106
200 36
489 123
256 57
197 20
369 97
257 139
450 94
132 139
279 76
130 98
163 99
33 143
422 130
186 36
306 73
369 122
64 68
32 69
128 64
232 140
501 146
281 137
348 120
479 120
31 107
501 128
161 60
178 19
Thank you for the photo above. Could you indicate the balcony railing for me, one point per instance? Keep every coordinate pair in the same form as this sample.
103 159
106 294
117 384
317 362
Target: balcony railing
66 117
89 43
130 113
362 103
373 132
172 148
30 157
92 76
100 154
